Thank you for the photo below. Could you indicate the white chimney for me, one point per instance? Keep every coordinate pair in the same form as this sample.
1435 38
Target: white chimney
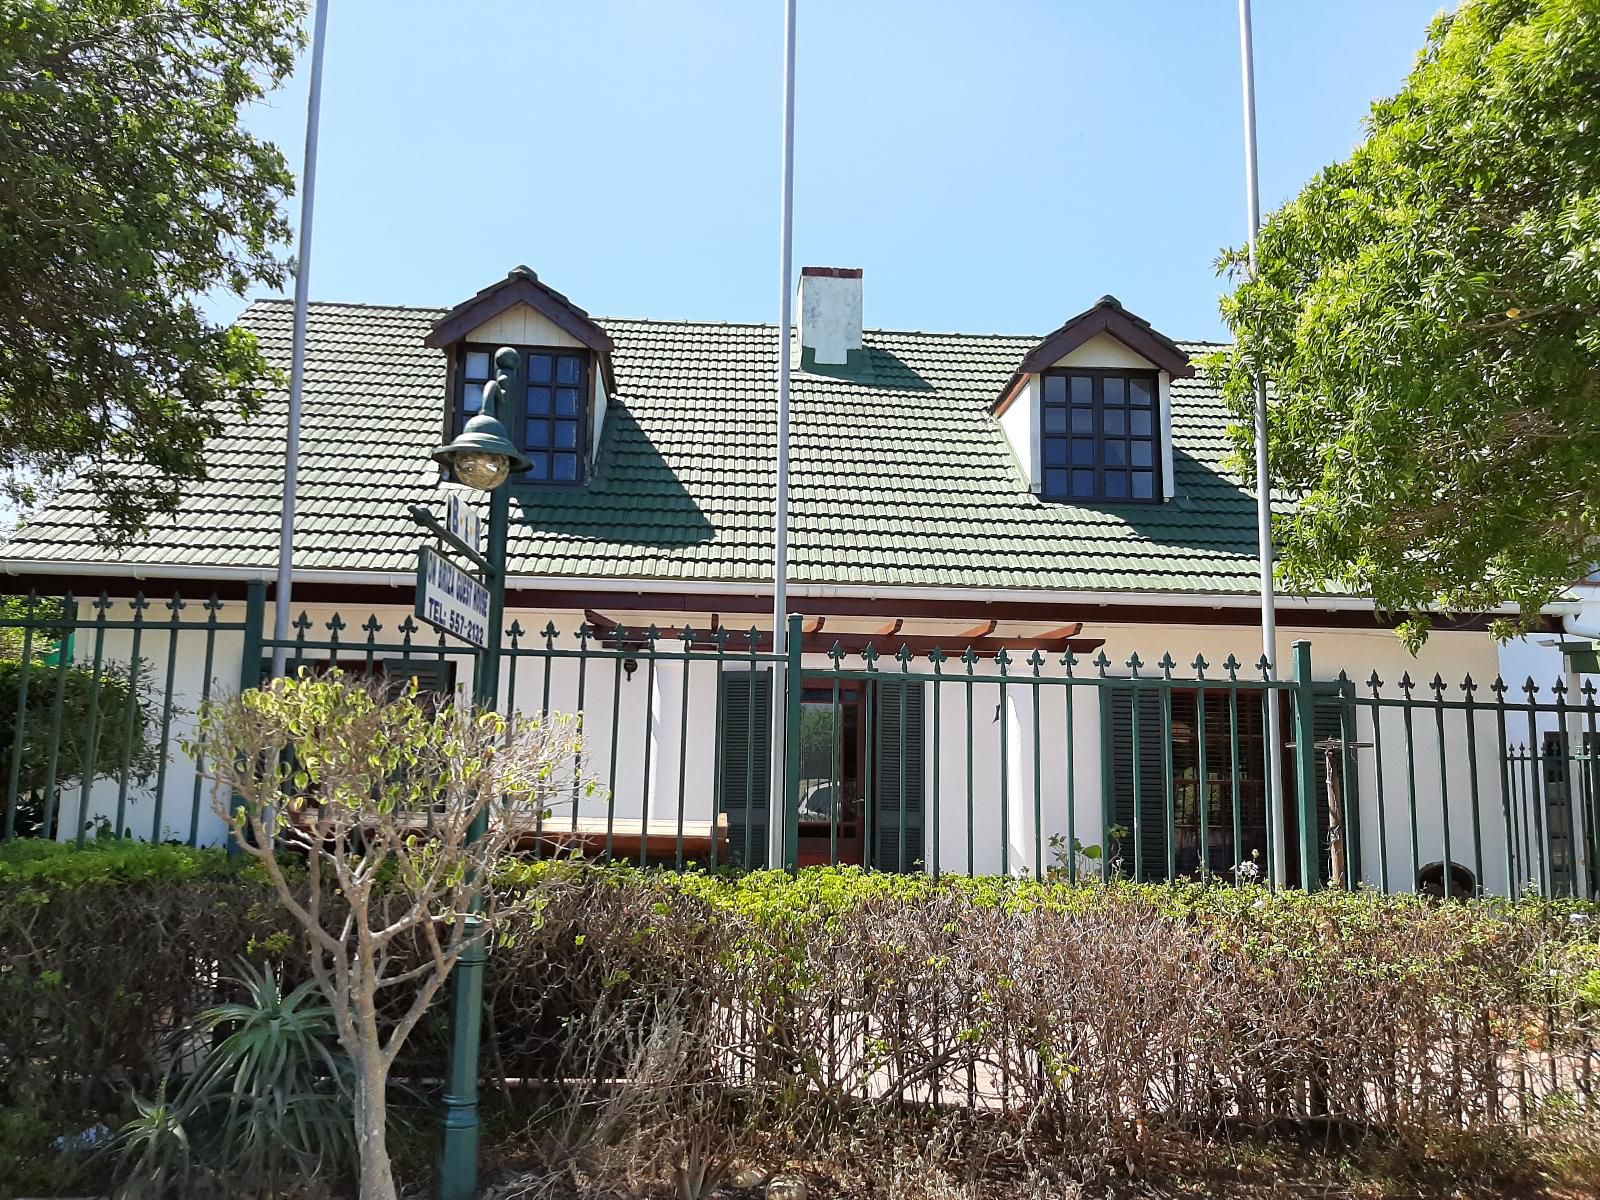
830 313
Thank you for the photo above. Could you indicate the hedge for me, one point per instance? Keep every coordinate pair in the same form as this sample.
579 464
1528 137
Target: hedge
1095 1019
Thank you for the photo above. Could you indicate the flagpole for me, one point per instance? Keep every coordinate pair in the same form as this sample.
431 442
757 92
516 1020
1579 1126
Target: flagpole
1269 614
282 597
780 552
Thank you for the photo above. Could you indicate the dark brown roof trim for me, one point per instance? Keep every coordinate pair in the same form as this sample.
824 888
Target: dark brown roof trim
1109 317
832 272
734 606
521 286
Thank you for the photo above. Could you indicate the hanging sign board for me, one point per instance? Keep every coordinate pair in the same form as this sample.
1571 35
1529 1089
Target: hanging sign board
461 519
451 600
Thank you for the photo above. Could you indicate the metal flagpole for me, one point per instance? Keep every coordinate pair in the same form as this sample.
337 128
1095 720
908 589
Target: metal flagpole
780 551
282 598
1269 616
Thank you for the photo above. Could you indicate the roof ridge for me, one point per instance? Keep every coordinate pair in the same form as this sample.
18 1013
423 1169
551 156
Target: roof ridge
698 322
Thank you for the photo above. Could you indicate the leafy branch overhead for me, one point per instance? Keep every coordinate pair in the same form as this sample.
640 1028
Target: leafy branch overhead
1427 314
128 188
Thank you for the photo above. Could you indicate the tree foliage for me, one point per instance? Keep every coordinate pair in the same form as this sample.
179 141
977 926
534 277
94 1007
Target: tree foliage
128 187
1427 314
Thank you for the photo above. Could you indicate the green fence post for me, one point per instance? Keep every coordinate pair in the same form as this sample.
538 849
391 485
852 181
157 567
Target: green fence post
1305 765
255 617
791 746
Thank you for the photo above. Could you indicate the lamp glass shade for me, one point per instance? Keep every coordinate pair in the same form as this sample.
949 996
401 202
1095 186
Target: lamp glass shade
485 472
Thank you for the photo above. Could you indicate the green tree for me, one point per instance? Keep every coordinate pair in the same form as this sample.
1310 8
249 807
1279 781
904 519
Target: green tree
1427 314
128 187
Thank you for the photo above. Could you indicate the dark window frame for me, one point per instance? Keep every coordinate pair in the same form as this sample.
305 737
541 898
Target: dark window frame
516 420
1097 407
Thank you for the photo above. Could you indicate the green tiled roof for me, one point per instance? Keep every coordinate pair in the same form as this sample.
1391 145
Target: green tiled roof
901 476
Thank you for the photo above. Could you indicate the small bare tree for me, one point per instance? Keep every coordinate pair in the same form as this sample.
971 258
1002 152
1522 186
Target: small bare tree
379 792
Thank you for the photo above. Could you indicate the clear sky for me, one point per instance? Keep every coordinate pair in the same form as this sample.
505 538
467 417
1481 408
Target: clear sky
993 166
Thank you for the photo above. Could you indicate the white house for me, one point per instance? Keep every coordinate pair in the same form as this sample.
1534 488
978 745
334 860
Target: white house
1055 493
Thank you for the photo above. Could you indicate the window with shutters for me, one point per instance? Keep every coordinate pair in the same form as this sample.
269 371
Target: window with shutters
1229 786
744 763
899 787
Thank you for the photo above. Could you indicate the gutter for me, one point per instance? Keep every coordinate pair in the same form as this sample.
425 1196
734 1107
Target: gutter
680 587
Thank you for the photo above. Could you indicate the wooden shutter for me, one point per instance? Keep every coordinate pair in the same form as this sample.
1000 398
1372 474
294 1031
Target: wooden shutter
1333 715
745 788
898 834
1116 714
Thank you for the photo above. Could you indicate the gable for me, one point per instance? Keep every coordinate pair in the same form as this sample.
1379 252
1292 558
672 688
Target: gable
522 325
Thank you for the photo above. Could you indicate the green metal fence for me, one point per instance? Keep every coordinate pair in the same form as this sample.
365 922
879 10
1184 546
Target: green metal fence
1022 762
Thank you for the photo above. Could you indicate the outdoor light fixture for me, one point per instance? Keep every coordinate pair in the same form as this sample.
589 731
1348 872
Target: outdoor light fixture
482 456
629 666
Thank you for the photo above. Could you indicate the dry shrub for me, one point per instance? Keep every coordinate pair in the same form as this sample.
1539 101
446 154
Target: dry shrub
980 1034
1085 1033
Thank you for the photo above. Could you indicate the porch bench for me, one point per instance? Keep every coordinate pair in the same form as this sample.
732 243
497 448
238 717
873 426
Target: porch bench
561 834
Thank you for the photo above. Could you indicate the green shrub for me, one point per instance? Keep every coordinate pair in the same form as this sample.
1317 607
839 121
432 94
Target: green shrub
125 717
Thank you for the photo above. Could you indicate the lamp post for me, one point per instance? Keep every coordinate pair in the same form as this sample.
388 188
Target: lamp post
483 457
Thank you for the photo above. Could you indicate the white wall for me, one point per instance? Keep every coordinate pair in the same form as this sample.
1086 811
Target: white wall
656 757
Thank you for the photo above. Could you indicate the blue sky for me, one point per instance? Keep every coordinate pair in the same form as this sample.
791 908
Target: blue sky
993 166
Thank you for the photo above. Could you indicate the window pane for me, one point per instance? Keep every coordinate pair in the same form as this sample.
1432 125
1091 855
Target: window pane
477 364
1055 420
1083 420
1055 483
566 435
1082 389
539 368
568 369
1114 421
1083 452
566 467
1116 453
1055 452
1116 485
1113 390
537 435
1055 389
1083 484
541 466
1144 483
566 402
1139 391
1141 454
539 401
471 397
1141 422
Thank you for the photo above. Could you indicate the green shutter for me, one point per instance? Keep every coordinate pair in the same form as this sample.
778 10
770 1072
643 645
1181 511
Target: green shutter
1334 716
433 675
898 834
745 789
1117 714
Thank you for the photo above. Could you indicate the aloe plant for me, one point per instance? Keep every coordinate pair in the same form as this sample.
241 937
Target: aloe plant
268 1107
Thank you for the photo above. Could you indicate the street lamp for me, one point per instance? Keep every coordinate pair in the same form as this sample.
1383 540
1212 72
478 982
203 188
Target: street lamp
483 457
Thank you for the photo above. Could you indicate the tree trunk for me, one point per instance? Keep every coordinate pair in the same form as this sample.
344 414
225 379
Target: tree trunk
372 1145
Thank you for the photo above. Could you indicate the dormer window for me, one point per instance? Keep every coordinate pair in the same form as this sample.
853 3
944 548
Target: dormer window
1088 412
550 424
557 409
1099 435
